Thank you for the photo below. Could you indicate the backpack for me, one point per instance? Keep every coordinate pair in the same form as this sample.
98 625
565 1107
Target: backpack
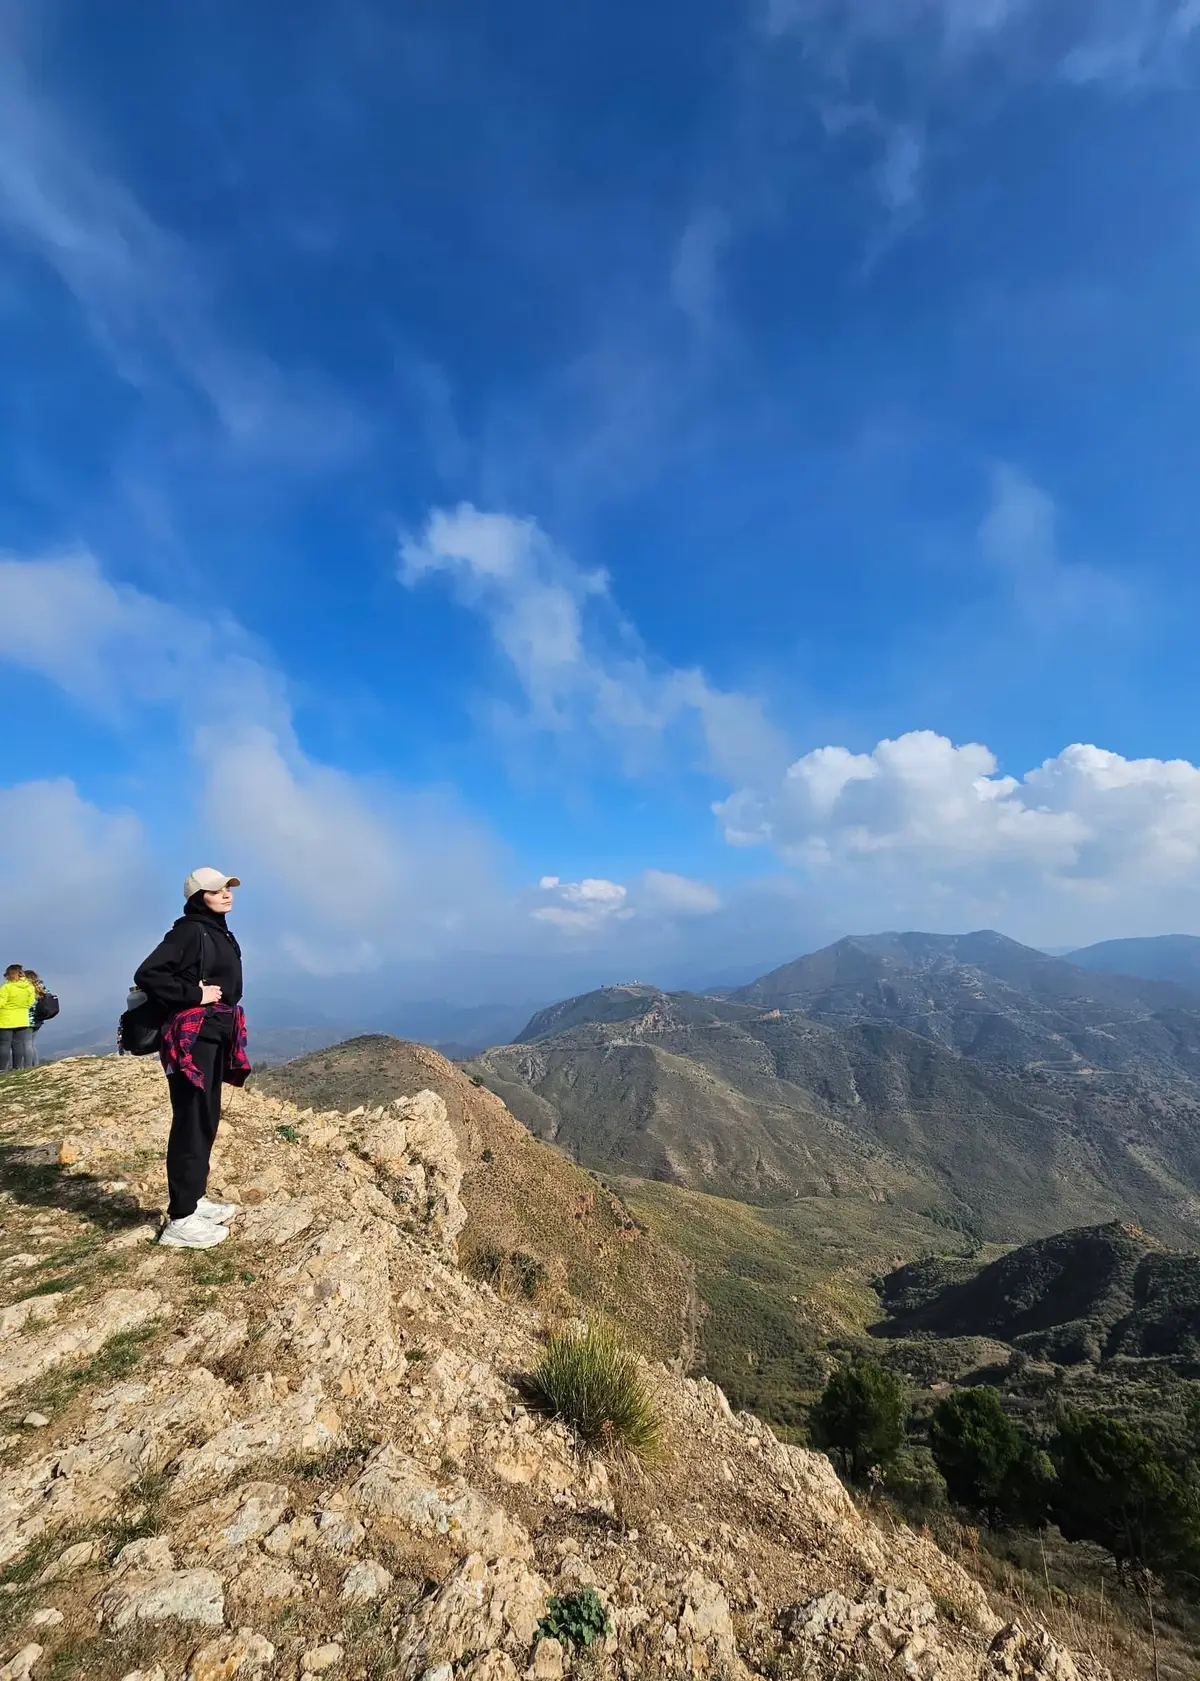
45 1008
139 1031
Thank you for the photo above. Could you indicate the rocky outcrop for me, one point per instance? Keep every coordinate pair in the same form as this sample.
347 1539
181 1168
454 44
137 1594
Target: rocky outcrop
307 1452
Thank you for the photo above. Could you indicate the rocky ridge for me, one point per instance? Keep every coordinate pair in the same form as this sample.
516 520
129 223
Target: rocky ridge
306 1452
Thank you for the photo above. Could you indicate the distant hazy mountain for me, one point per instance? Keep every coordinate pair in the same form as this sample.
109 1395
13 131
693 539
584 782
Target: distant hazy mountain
1009 1091
1167 957
992 1000
283 1028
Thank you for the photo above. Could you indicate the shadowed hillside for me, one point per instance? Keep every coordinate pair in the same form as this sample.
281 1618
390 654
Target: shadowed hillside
1096 1294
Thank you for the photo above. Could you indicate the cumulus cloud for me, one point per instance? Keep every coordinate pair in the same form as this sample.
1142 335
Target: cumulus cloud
582 907
578 663
594 905
922 826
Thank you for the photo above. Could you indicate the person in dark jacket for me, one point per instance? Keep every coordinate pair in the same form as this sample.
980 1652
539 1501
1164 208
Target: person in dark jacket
195 977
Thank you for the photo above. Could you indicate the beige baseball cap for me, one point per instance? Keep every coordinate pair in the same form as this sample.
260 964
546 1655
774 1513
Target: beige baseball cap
207 880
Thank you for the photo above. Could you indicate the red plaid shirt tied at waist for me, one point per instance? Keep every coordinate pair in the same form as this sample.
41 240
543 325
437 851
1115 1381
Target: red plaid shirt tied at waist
179 1037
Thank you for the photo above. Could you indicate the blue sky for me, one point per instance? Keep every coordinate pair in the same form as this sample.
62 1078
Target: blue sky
563 491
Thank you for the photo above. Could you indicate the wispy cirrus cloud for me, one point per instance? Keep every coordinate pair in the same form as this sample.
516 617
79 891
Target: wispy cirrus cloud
146 293
1018 540
579 664
936 51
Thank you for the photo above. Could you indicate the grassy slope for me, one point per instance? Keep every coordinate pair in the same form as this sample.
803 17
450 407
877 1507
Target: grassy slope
778 1284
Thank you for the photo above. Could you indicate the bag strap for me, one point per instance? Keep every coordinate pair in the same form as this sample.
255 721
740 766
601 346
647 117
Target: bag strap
205 949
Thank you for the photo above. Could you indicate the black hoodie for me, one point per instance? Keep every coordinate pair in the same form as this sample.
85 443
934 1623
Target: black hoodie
172 973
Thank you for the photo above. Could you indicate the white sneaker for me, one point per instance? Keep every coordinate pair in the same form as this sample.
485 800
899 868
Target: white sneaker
194 1232
217 1212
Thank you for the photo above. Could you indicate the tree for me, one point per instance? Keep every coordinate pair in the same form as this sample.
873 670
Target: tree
990 1465
1116 1488
861 1417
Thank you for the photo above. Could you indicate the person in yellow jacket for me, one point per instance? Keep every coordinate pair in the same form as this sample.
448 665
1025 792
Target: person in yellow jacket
17 997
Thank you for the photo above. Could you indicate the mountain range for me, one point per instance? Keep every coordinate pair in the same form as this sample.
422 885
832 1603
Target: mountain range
968 1077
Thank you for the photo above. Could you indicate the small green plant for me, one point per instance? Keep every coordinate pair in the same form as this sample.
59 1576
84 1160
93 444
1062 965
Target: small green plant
487 1156
593 1383
476 1079
575 1618
288 1134
415 1355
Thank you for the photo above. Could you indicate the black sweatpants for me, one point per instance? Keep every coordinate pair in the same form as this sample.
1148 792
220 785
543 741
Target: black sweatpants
195 1117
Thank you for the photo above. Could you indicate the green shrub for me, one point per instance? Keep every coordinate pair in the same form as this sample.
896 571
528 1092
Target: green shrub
593 1383
861 1418
288 1134
576 1618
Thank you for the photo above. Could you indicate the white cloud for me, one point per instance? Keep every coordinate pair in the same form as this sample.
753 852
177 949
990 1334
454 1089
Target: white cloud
594 905
578 663
944 48
921 827
695 272
678 894
76 909
1105 41
348 873
583 907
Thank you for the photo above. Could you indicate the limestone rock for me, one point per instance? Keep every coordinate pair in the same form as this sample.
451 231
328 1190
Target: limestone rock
245 1653
171 1596
320 1658
20 1667
253 1511
549 1662
276 1222
338 1531
492 1666
365 1581
264 1583
1028 1655
480 1607
395 1486
69 1561
33 1356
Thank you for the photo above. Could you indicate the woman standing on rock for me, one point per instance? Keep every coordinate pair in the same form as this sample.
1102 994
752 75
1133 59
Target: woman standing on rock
195 978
